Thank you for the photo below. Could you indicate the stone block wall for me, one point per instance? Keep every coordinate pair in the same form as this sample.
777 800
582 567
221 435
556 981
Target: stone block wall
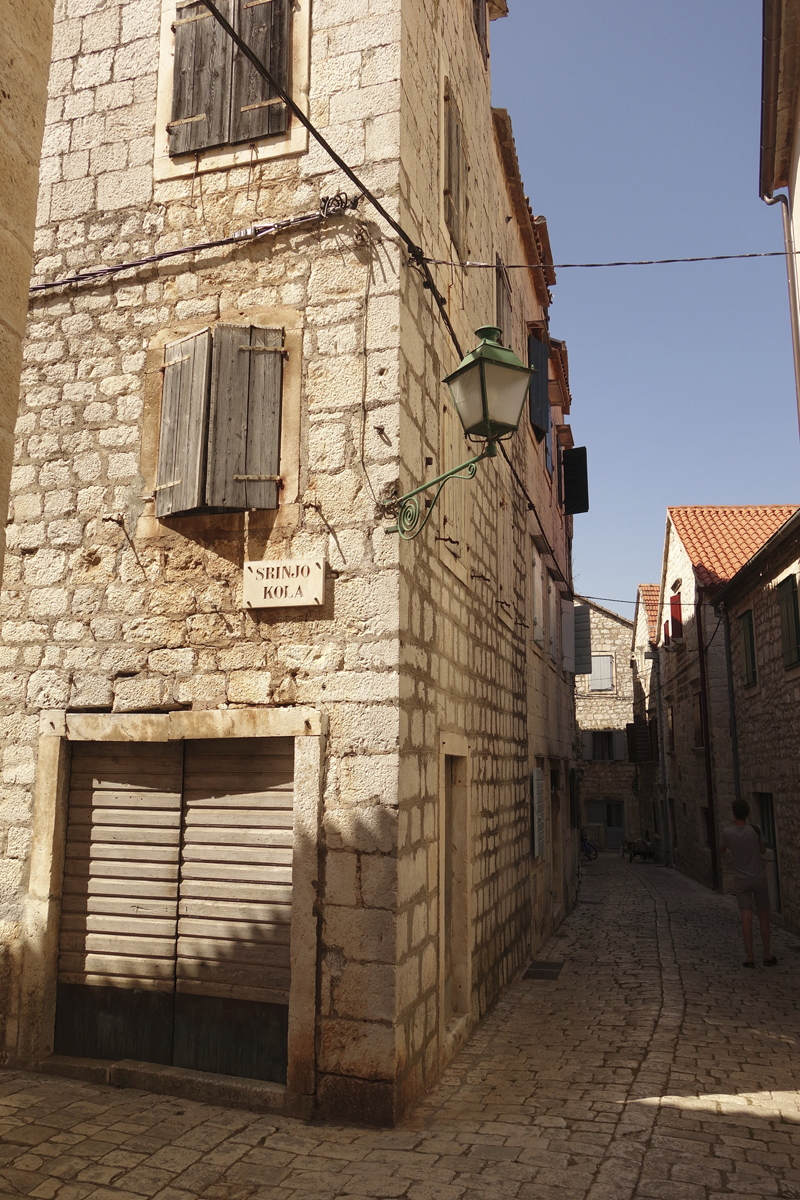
768 719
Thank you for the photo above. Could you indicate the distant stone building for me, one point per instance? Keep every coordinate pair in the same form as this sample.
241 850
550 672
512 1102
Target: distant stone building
704 548
759 606
314 841
603 711
646 718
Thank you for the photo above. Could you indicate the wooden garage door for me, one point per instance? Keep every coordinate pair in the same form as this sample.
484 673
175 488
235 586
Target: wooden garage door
235 907
116 965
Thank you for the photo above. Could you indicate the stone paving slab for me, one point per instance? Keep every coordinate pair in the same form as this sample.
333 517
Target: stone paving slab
653 1068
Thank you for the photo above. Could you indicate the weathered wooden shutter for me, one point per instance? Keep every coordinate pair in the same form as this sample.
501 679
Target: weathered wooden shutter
676 615
583 639
245 417
201 84
619 744
233 960
568 636
116 967
790 621
537 785
453 169
576 480
638 738
184 425
587 745
256 110
539 396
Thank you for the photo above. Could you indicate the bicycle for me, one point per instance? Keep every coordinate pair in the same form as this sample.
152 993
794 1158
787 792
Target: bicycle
588 850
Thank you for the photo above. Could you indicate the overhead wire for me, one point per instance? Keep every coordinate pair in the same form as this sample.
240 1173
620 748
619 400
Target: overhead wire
633 262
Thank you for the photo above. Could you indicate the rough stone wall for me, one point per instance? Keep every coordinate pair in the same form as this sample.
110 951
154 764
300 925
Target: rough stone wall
106 608
613 710
768 720
24 57
464 656
686 764
645 708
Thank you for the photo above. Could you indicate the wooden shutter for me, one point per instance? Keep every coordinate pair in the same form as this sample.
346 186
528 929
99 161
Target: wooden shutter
537 782
576 480
245 417
587 745
568 636
790 621
539 396
583 639
184 424
256 111
454 171
201 83
618 741
116 966
676 615
236 870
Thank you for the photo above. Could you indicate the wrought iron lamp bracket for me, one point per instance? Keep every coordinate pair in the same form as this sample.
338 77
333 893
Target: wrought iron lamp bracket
410 520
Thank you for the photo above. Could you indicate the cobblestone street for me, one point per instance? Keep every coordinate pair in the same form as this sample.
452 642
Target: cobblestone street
653 1067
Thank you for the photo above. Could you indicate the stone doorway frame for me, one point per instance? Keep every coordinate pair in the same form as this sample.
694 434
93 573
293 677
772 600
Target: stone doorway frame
57 729
453 1034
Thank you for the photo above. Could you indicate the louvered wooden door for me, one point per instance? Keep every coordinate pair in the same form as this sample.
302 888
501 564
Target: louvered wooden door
116 968
231 1007
176 909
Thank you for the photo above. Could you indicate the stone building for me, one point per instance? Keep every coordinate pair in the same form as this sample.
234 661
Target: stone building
330 832
603 712
704 548
25 34
759 608
646 718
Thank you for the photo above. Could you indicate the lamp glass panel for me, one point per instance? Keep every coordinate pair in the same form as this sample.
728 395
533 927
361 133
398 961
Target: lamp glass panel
466 392
506 390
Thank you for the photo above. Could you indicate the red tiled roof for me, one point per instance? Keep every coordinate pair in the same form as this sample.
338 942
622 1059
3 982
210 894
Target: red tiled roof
649 593
720 539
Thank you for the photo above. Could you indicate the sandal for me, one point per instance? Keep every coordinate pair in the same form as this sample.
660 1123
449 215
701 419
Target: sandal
770 962
749 963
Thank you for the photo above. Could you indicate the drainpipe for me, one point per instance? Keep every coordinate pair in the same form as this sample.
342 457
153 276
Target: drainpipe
698 612
737 788
791 275
668 842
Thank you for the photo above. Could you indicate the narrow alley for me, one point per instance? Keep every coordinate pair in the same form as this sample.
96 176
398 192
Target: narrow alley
652 1067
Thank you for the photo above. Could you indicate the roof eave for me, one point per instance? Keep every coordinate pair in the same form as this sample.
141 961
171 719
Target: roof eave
508 157
754 563
780 93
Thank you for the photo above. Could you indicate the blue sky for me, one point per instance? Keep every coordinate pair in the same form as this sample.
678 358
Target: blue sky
637 129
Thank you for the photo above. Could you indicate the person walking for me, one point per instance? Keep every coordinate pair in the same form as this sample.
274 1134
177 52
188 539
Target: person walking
746 844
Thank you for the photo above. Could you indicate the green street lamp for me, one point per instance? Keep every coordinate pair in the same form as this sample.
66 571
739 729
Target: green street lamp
489 390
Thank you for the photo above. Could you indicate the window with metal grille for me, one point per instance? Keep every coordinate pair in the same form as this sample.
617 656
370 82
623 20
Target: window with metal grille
790 621
219 439
218 98
747 646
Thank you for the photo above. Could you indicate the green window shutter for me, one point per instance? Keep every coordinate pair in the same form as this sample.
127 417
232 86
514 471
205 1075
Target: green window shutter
747 645
245 417
184 422
201 83
790 621
256 112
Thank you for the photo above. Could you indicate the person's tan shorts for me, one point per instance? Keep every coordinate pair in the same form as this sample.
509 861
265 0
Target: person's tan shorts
756 897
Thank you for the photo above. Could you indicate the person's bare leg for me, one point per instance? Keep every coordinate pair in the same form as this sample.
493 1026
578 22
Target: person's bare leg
747 932
763 921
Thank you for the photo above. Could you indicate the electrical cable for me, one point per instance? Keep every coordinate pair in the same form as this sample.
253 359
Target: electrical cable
329 207
636 262
418 258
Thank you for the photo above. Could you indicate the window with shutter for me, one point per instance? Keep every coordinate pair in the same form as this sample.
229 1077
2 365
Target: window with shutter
583 639
790 621
676 615
568 636
619 742
587 745
455 172
537 584
218 98
245 417
256 111
539 394
576 480
537 812
504 308
180 476
553 608
603 745
747 647
602 677
201 82
481 19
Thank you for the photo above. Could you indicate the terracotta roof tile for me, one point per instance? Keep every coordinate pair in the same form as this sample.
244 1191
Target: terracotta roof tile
720 539
649 593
